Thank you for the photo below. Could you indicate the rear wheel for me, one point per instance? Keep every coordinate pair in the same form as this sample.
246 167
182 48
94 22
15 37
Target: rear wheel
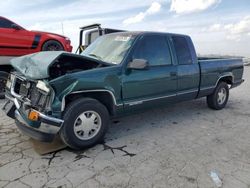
85 123
3 80
52 45
218 99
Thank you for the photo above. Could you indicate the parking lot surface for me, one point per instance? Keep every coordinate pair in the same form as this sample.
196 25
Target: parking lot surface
177 146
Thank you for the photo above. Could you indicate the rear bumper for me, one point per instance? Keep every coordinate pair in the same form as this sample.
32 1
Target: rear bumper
235 84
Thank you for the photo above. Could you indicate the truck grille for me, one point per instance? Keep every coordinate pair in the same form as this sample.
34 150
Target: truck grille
28 90
21 87
38 98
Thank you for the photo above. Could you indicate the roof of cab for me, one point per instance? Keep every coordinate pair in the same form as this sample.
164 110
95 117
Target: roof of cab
136 33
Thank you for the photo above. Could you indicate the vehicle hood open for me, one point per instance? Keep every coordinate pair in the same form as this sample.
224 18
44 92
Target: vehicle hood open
53 64
35 66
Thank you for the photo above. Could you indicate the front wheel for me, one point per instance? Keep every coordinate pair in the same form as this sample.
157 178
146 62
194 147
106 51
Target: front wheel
52 45
85 123
218 99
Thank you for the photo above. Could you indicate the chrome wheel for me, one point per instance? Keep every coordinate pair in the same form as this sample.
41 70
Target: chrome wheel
87 125
54 47
222 95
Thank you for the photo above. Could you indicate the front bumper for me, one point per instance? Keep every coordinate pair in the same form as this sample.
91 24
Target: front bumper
44 129
68 48
31 132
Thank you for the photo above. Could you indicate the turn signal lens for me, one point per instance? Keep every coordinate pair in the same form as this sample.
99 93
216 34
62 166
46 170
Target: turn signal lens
33 116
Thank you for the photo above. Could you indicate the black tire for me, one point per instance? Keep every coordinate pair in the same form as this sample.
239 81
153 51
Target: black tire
52 45
73 112
214 101
3 79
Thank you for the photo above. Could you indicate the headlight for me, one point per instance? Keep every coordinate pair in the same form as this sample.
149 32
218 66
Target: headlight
41 85
9 81
67 40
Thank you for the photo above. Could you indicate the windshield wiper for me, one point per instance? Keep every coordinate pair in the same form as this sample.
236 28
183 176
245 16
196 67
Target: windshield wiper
96 56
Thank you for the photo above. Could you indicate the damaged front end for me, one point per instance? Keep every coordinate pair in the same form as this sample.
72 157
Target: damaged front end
30 105
37 87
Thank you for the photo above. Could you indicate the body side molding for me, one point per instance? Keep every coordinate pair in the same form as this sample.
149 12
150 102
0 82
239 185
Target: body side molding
90 91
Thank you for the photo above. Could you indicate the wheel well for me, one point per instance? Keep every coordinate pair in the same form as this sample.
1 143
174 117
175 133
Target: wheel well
227 79
103 97
52 40
6 68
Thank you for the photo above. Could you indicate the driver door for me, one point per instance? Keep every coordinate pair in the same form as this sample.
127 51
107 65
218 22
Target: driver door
157 84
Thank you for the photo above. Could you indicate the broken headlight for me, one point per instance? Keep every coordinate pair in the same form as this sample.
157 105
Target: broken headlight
42 86
41 96
9 81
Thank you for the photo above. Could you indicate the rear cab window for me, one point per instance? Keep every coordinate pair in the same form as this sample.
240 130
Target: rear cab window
154 49
182 50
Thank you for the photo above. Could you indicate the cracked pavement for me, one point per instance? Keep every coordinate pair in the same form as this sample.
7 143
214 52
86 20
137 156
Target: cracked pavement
176 146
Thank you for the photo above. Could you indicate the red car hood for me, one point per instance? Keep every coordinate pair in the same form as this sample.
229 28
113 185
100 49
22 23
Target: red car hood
42 32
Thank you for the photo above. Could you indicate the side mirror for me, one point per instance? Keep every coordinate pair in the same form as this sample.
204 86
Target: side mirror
15 26
138 64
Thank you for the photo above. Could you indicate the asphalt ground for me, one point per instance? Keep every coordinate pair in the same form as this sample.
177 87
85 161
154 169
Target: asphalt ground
177 146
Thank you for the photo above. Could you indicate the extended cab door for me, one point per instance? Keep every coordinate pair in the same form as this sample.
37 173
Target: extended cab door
14 41
157 83
188 71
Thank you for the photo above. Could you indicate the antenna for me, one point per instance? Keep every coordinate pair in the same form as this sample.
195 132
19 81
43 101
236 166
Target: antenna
62 28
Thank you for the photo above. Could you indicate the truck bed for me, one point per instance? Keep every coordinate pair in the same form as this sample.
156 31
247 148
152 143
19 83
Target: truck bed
216 57
212 69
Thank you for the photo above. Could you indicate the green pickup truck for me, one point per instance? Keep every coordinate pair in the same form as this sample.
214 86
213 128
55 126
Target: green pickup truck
75 96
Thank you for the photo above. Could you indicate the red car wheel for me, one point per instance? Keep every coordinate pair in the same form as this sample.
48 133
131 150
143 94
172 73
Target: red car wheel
52 45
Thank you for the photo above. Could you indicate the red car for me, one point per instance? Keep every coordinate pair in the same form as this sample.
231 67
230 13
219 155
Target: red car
17 41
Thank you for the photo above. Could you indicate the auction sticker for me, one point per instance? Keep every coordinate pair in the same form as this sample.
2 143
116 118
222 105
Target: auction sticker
122 38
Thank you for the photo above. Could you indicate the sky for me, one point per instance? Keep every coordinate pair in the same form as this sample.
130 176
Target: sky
216 26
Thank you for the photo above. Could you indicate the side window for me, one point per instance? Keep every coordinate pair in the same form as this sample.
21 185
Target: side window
5 23
94 35
182 50
154 49
91 36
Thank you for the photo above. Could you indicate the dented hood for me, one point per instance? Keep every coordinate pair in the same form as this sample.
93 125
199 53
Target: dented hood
36 66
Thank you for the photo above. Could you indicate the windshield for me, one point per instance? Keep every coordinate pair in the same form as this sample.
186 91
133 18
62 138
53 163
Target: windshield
110 48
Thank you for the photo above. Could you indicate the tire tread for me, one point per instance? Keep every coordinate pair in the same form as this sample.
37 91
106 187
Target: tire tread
71 109
212 99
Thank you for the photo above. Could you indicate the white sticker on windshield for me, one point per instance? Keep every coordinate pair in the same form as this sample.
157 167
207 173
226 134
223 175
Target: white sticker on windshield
122 38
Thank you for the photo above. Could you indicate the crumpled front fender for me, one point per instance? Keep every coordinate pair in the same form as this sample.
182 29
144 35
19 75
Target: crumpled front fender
59 97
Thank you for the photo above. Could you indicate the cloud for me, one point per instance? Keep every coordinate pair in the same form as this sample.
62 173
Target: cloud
233 31
153 9
242 27
48 15
191 6
59 10
14 6
215 28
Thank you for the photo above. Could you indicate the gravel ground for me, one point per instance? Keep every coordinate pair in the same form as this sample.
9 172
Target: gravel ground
177 146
